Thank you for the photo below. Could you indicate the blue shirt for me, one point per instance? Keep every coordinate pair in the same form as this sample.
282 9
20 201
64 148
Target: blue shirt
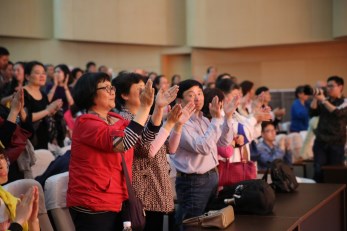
299 116
268 154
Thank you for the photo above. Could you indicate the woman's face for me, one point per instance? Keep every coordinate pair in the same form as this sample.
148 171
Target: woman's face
60 75
105 96
3 169
78 75
163 83
133 98
19 72
37 76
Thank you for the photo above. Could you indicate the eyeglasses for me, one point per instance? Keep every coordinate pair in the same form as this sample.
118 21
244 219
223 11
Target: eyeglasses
108 89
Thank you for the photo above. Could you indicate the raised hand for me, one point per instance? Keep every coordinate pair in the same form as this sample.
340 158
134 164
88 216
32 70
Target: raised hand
164 98
17 103
262 114
25 206
53 107
35 208
174 114
147 95
215 108
230 106
66 83
187 112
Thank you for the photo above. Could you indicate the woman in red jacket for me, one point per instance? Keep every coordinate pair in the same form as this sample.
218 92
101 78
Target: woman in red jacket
97 186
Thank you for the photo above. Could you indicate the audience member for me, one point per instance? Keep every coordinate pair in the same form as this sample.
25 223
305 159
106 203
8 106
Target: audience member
97 186
16 83
248 92
4 57
90 67
300 109
175 80
151 178
76 73
8 73
210 77
36 102
196 156
268 150
278 112
330 139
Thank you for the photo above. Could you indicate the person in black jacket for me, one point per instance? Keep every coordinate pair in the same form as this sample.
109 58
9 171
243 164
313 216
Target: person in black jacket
330 139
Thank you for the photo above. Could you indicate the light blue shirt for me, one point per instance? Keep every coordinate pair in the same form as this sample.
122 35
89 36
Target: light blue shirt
197 150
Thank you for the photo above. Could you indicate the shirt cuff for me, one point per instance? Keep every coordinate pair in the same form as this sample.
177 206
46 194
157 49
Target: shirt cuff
152 127
135 127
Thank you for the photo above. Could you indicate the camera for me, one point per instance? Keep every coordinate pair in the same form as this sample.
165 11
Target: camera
317 91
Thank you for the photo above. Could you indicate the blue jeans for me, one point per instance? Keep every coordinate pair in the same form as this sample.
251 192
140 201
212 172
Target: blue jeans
326 154
193 194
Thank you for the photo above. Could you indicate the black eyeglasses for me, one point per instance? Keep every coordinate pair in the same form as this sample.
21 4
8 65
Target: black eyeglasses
108 89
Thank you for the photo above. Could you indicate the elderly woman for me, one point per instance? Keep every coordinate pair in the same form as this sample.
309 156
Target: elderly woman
97 186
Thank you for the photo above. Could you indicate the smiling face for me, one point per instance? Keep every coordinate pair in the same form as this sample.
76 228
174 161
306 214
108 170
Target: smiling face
19 72
37 77
105 96
132 100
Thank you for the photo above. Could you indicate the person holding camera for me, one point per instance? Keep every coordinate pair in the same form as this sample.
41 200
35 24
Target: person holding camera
330 139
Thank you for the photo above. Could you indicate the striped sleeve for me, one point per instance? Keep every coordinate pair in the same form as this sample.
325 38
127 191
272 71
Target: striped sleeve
131 135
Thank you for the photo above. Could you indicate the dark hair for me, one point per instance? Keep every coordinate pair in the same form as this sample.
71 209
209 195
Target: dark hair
337 79
30 65
10 63
261 89
173 79
64 69
74 73
306 89
4 51
246 86
156 82
226 85
89 64
185 85
85 89
220 77
209 93
123 83
264 124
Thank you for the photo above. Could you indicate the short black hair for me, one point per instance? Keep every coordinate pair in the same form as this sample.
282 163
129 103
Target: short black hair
264 124
261 89
156 81
337 79
227 85
30 65
4 51
306 89
185 85
74 73
85 89
246 86
123 83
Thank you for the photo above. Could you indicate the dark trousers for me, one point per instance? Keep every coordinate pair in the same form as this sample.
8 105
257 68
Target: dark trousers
155 221
326 154
108 221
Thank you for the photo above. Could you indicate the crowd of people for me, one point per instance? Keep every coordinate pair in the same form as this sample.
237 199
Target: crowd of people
146 118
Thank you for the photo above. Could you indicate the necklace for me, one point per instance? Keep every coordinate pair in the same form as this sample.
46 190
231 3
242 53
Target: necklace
107 119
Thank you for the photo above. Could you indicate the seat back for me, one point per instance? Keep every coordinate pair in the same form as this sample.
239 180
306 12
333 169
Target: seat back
43 159
55 195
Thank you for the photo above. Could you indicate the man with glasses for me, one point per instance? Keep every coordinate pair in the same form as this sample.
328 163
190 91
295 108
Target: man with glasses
330 139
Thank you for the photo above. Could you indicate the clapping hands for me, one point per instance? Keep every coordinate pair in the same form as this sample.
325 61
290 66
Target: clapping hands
164 98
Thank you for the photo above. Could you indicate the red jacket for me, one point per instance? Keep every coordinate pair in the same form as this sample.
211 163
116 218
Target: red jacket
96 179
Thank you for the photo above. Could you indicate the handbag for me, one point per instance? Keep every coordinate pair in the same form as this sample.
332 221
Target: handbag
135 212
282 176
18 142
213 219
232 173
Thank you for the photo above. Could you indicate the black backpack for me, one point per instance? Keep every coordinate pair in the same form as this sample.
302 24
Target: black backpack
282 176
249 196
